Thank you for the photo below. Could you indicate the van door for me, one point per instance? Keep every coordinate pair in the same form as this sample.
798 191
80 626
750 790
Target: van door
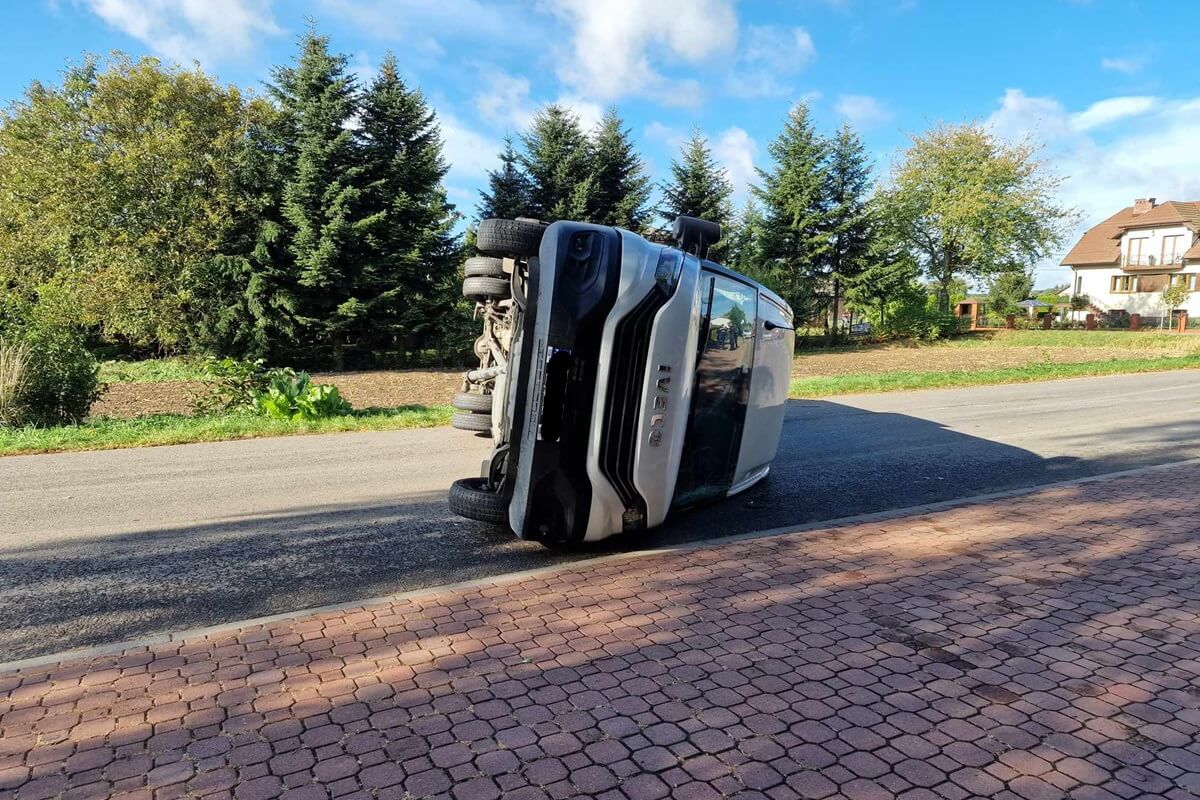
728 326
768 393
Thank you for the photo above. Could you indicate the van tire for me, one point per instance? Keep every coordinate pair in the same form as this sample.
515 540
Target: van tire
483 267
509 237
476 423
471 498
478 288
470 401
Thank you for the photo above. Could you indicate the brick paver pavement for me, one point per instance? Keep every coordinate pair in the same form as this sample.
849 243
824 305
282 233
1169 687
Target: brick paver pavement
1035 647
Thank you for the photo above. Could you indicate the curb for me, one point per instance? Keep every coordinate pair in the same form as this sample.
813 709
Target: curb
146 642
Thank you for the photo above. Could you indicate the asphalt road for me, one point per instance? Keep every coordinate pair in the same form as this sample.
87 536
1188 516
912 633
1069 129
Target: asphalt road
100 547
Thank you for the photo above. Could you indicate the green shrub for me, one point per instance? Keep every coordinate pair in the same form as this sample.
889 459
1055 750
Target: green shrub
49 378
292 395
230 384
14 366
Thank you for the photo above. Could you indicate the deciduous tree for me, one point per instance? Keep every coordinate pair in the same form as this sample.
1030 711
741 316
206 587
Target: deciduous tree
973 205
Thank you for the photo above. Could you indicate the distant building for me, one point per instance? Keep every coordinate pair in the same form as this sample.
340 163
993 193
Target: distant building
1125 262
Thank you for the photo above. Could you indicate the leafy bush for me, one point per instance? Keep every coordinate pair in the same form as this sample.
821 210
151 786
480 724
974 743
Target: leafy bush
14 364
292 395
230 384
48 378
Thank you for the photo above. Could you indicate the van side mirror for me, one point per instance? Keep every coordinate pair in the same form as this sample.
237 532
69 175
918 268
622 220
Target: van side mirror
695 236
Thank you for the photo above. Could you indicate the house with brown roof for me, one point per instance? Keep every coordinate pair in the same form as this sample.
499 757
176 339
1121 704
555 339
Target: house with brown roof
1125 262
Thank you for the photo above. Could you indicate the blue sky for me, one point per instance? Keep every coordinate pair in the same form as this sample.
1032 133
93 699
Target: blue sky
1111 88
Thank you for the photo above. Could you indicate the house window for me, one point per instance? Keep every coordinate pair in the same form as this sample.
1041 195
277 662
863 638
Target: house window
1148 284
1078 284
1122 284
1172 249
1134 253
1183 279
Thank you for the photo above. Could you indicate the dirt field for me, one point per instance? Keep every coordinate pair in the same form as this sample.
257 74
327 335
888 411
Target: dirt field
361 389
437 387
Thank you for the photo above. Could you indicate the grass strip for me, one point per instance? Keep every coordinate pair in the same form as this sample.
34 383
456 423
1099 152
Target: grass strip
162 429
827 385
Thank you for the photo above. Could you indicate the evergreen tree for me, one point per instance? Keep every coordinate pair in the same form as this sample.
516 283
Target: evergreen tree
745 243
557 160
318 101
507 196
848 223
699 186
405 243
621 189
794 193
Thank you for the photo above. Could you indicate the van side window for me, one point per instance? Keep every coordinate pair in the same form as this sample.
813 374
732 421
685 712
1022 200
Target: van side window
729 320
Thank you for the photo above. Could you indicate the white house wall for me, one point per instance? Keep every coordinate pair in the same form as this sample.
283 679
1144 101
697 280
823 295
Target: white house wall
1096 283
1154 240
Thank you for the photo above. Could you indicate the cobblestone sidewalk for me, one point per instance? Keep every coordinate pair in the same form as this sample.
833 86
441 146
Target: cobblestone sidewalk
1040 646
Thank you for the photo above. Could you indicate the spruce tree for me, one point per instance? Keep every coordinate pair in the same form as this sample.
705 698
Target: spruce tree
405 242
745 243
507 195
699 186
795 207
318 100
620 187
848 223
557 160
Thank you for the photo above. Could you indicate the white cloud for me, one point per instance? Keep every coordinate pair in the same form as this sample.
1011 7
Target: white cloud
1126 65
768 52
187 30
779 49
470 153
612 42
504 101
1108 111
589 113
673 138
736 149
1105 166
861 110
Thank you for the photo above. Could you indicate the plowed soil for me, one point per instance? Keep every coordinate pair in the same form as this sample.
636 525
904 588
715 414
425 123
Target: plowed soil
383 389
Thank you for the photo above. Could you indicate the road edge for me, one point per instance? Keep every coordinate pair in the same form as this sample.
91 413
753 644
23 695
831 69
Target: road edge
146 642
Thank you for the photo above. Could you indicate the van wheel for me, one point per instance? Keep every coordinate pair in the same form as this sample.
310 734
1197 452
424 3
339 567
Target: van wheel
469 401
483 267
509 237
477 423
473 498
478 288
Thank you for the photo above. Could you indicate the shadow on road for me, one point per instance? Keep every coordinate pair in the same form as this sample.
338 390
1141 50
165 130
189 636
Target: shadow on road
834 461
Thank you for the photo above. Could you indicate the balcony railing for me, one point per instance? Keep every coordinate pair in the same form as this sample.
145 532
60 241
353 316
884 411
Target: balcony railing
1143 262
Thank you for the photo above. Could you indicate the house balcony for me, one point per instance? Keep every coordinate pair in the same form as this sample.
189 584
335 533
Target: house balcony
1144 263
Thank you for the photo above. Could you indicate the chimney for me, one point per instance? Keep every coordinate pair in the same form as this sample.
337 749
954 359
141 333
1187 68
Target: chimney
1142 205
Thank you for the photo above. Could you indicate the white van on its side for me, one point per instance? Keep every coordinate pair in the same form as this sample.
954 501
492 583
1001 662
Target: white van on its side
621 379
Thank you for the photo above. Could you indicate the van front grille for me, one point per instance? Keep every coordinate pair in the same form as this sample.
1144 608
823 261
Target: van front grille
623 403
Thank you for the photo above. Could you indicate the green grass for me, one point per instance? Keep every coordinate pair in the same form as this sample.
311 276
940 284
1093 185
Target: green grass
160 429
1139 340
825 386
150 370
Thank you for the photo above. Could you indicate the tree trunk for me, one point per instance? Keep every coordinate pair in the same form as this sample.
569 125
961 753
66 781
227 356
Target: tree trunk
339 352
947 276
836 313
